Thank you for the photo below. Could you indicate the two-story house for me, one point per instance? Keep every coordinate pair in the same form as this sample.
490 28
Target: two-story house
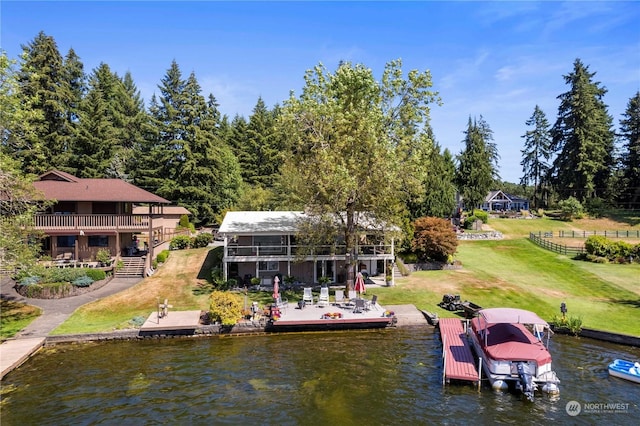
263 244
93 214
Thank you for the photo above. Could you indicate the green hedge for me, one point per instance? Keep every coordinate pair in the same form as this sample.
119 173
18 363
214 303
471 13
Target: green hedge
599 247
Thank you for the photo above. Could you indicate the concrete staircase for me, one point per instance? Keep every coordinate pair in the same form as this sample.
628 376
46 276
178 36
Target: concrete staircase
133 267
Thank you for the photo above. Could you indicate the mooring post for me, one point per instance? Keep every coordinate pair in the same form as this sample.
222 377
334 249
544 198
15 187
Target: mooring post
444 358
479 373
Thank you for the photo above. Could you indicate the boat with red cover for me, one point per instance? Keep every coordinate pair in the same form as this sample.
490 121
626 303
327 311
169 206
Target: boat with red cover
514 356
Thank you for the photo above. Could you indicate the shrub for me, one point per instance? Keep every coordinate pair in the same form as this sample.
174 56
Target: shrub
184 222
103 256
95 274
482 215
180 242
225 307
571 208
597 245
53 275
202 240
83 281
162 256
469 221
621 249
30 280
402 267
434 238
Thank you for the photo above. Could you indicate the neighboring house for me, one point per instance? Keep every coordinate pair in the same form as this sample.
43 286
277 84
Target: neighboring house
497 201
263 244
94 214
500 201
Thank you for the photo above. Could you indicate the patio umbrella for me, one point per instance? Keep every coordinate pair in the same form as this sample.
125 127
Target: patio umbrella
276 288
359 285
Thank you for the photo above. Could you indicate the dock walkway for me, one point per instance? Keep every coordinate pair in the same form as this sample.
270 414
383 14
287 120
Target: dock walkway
459 363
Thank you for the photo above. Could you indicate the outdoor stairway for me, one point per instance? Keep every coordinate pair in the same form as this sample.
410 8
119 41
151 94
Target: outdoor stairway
133 267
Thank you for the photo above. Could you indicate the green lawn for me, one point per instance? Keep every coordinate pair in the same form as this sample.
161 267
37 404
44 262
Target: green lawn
15 316
517 273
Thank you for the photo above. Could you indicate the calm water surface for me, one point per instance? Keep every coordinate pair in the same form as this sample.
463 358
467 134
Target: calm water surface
390 377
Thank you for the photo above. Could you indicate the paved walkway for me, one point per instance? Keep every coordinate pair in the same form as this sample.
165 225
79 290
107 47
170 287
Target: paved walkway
15 351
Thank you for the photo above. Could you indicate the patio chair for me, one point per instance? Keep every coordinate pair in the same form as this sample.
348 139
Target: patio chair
373 303
339 298
323 300
307 297
359 306
352 295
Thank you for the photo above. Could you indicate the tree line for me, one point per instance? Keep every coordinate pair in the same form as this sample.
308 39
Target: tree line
349 142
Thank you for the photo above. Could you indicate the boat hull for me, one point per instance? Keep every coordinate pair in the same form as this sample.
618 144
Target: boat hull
503 372
626 370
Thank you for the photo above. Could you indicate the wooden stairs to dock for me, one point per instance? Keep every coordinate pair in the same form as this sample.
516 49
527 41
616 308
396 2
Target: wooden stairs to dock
133 267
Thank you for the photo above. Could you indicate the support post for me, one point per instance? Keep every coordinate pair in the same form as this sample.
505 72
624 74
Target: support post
479 373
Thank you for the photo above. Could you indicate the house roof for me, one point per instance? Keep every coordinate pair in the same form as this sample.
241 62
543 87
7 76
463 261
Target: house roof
274 222
253 222
493 195
166 210
61 186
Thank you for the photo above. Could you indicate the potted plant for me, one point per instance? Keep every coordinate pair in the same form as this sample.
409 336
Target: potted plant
389 280
324 281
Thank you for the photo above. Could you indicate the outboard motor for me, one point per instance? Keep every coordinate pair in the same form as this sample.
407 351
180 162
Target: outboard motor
526 382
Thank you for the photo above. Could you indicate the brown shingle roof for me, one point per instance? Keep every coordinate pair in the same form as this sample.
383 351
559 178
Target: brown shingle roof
61 186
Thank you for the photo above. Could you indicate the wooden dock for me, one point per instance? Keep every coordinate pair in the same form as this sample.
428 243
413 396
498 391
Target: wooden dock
459 362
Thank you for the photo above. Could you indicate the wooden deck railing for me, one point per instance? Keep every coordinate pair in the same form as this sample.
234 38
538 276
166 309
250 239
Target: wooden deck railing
264 251
65 222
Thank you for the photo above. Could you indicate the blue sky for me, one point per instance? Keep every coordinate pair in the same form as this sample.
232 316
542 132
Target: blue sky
495 59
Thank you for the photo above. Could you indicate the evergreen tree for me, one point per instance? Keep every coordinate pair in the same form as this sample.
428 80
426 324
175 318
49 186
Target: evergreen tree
630 133
97 136
44 88
189 164
131 122
536 153
477 164
264 147
582 137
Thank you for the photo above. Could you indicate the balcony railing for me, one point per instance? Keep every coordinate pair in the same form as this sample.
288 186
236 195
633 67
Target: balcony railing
87 222
266 251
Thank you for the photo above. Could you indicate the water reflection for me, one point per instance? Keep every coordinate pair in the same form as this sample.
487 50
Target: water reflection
349 378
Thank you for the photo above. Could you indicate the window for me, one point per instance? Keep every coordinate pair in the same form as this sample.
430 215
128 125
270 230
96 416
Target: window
98 241
268 266
66 240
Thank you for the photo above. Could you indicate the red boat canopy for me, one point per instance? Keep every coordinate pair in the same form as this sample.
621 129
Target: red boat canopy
511 316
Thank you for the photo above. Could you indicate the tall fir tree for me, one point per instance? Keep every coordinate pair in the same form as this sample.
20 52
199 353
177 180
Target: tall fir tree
630 159
131 122
536 154
97 137
477 163
43 86
188 163
582 137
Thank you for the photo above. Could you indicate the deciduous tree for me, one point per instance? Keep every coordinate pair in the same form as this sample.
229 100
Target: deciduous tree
349 136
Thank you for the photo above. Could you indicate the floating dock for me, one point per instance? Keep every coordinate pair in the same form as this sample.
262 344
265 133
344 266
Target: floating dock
459 362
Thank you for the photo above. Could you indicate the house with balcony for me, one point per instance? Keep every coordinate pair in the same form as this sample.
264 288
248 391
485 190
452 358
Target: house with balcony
264 244
93 214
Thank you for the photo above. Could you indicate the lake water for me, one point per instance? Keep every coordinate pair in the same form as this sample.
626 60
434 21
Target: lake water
387 377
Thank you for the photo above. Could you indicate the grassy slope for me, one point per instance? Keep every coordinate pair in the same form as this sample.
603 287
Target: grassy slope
516 273
175 280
